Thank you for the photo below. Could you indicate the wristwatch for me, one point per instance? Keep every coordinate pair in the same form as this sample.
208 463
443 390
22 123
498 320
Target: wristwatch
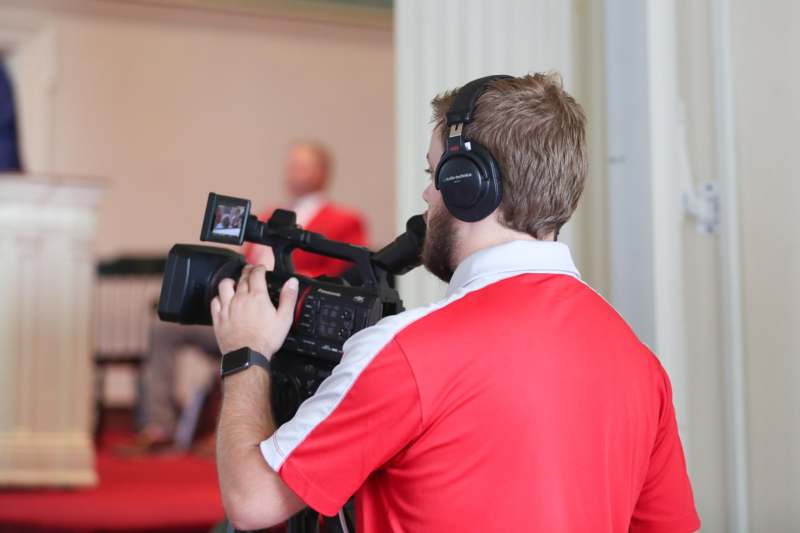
242 359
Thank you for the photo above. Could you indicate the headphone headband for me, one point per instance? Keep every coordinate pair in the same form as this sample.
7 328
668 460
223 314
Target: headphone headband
463 106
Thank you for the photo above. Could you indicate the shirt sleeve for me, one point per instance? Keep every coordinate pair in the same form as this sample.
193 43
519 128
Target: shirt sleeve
360 417
666 502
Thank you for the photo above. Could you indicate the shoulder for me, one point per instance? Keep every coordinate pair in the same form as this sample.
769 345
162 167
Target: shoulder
335 211
391 328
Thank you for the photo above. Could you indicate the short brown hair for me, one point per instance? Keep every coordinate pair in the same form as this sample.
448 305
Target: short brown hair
536 133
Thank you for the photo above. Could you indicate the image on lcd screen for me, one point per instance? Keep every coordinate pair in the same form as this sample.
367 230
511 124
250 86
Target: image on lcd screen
228 220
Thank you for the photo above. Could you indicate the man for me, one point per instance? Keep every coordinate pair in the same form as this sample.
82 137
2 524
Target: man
308 175
307 178
521 401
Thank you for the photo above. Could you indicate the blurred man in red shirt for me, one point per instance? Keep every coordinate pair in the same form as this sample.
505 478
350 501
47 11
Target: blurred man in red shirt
308 175
307 178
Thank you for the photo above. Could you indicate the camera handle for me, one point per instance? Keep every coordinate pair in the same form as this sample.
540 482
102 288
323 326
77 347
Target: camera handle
283 235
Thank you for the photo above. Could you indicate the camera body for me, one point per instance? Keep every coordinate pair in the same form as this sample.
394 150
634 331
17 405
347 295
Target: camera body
328 310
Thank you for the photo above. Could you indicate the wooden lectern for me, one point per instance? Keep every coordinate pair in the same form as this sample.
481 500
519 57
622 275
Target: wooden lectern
47 228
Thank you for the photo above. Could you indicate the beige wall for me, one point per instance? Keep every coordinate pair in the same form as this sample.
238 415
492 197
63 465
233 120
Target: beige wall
169 108
767 70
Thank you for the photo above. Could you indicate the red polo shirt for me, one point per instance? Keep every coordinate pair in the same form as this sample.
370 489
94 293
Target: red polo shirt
520 402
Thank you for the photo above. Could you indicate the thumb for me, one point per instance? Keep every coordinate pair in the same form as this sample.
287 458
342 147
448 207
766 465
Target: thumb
287 301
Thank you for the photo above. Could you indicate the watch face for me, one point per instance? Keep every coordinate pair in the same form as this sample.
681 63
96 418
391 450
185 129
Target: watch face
235 360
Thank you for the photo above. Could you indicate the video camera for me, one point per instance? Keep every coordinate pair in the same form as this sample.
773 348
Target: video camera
328 310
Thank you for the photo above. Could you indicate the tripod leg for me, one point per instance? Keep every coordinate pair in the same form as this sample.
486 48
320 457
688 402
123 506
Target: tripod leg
332 524
343 522
306 521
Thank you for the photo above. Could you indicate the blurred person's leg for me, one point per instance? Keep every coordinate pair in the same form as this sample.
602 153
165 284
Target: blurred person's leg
157 405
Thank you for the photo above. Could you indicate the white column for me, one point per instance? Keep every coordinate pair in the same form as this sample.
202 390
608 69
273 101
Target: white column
46 274
731 269
444 44
645 211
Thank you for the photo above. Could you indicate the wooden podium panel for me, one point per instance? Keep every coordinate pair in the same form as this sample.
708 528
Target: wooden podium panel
47 228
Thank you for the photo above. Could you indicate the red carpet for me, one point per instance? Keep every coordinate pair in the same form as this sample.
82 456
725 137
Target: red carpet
168 494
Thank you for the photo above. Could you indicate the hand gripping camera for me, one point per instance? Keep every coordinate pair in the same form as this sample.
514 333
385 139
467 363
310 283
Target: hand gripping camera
328 310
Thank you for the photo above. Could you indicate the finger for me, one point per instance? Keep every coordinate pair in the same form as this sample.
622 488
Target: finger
226 292
258 279
244 285
216 309
287 301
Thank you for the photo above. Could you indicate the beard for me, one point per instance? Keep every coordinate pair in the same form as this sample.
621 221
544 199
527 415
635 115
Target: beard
439 245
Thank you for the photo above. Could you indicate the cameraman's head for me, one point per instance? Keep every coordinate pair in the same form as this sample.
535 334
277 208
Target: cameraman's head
535 131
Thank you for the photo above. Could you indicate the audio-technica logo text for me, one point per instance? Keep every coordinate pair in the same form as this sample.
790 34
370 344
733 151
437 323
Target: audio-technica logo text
458 177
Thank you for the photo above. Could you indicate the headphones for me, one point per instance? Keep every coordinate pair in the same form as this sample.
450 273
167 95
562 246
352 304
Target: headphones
467 174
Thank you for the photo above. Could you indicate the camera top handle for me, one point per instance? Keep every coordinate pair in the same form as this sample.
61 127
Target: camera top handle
283 235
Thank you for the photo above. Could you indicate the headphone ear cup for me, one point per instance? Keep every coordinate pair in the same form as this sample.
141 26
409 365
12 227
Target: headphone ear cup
493 192
460 179
470 183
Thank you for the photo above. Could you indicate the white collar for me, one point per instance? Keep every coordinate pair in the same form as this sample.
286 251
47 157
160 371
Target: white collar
512 258
307 206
